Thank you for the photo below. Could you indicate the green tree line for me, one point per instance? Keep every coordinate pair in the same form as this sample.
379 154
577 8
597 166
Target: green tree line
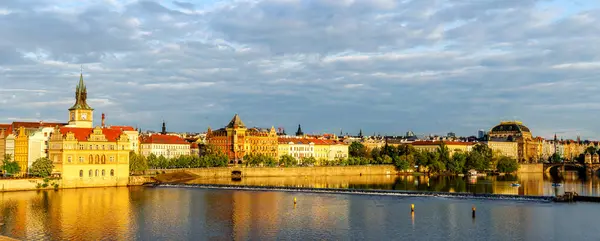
140 163
406 157
42 167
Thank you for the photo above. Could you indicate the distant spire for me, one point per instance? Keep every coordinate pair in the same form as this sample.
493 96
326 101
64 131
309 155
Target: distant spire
81 95
360 134
164 128
299 132
236 122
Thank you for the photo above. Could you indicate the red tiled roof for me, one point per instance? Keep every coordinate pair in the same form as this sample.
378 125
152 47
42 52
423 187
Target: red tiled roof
163 139
16 125
122 128
194 145
306 141
82 134
36 124
431 143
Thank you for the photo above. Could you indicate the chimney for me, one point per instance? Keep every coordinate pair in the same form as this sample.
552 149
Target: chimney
103 120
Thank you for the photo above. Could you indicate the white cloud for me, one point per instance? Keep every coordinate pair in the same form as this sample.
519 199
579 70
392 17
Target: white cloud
448 65
353 86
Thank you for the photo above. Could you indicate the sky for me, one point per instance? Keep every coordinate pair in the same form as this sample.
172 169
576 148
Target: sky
383 66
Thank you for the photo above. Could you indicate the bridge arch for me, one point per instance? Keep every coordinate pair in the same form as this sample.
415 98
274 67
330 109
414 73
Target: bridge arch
549 167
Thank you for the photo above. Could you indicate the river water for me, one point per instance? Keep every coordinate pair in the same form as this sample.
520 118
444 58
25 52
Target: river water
532 184
172 213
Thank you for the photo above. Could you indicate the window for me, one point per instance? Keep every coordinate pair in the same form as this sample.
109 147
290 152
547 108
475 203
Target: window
91 159
112 159
80 173
103 173
81 159
70 159
96 172
103 159
112 172
90 172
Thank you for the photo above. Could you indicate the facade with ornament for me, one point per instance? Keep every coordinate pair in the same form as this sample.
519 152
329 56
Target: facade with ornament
84 155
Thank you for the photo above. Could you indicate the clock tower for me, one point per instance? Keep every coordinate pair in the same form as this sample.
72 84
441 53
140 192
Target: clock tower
81 114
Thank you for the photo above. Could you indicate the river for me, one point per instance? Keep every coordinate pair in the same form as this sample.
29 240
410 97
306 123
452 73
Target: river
172 213
532 184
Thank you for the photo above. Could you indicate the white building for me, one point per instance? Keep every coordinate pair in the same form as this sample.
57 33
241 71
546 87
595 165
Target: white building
38 144
168 146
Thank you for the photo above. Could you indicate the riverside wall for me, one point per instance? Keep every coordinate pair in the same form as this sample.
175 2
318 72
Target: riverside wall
7 185
531 168
284 171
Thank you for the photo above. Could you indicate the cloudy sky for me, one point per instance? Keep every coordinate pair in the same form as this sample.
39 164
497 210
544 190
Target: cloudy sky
386 66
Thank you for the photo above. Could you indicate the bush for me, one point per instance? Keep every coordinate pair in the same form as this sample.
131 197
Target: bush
507 165
42 167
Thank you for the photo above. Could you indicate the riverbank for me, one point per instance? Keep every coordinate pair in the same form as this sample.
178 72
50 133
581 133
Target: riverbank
282 171
32 184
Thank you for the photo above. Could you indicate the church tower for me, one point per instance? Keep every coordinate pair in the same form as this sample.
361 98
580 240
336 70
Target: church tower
81 114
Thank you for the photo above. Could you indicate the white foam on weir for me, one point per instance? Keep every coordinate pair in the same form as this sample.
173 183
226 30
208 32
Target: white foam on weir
371 192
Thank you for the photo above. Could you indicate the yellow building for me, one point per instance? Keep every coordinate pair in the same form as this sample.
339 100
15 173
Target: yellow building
453 146
21 149
237 141
85 156
528 148
318 148
505 148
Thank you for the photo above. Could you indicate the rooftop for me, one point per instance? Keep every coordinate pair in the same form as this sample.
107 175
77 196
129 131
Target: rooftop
164 139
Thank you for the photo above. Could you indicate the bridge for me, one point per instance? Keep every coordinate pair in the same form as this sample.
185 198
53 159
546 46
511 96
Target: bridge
588 167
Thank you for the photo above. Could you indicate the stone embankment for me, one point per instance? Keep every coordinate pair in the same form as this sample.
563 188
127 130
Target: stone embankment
31 184
282 171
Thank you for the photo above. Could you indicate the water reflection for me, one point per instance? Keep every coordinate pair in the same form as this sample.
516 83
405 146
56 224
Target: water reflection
196 214
536 184
38 215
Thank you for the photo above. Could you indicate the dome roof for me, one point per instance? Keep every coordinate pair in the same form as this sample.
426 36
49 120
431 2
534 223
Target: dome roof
510 126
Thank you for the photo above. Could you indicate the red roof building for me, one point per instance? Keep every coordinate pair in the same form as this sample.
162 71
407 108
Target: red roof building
164 145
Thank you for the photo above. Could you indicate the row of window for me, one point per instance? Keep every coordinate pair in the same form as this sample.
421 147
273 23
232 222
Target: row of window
96 147
169 147
91 173
93 159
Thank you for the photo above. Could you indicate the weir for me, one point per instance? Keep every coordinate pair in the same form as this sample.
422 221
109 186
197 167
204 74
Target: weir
367 192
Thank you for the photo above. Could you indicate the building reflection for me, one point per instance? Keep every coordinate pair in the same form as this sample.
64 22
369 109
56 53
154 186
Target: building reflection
72 214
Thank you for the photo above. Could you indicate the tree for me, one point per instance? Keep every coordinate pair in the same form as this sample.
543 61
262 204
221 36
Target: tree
443 153
153 161
479 158
287 160
137 163
457 163
308 161
386 160
591 150
402 163
357 149
42 167
376 153
507 164
555 158
11 167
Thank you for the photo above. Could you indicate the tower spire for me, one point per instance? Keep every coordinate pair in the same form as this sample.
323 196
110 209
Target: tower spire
164 128
299 132
81 95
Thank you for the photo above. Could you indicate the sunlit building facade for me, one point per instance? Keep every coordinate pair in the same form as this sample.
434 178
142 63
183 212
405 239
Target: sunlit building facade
237 141
87 156
528 148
